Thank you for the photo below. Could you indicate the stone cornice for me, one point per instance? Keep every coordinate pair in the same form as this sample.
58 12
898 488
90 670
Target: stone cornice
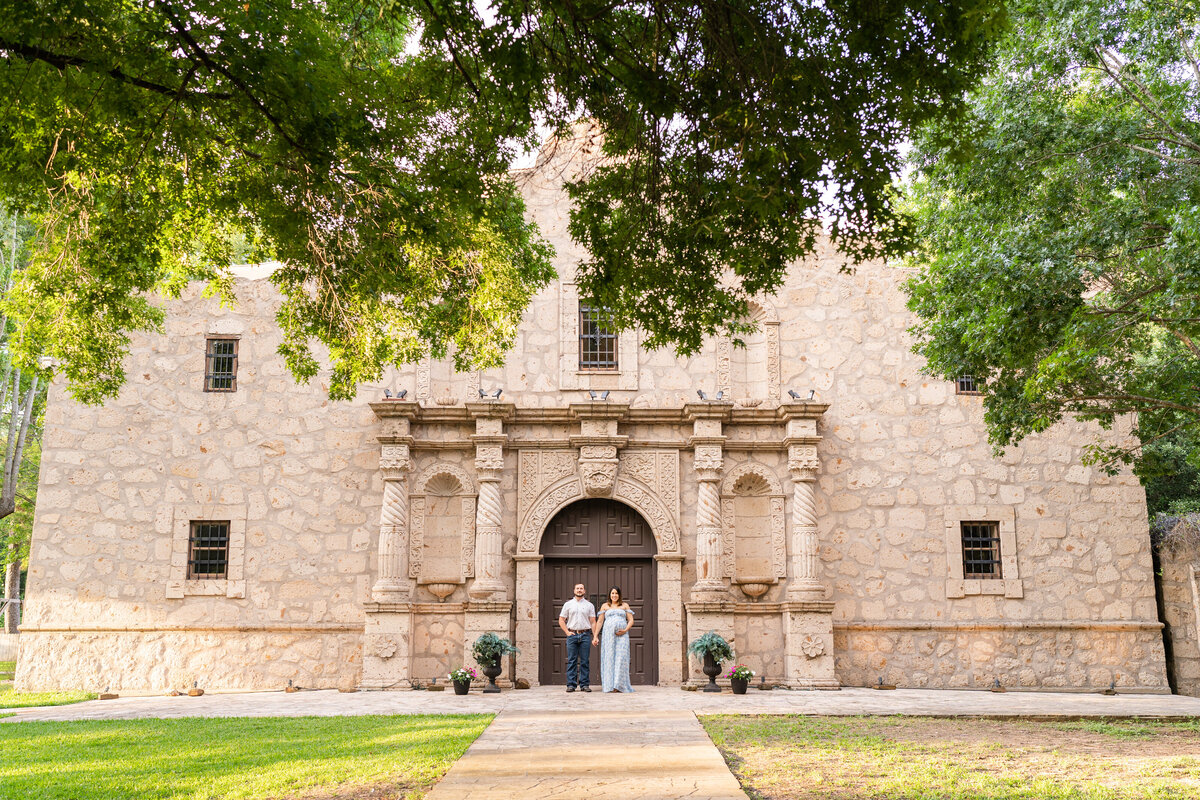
711 409
601 410
788 411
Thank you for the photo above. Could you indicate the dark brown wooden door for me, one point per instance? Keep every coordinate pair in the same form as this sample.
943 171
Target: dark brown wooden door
599 543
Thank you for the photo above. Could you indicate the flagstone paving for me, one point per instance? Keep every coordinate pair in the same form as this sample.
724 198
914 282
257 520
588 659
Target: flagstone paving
917 702
594 754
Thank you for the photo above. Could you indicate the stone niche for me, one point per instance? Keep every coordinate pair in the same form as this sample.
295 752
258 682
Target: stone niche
442 538
754 551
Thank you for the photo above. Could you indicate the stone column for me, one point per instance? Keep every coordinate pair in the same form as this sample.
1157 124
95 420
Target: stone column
708 460
708 519
393 584
804 582
489 441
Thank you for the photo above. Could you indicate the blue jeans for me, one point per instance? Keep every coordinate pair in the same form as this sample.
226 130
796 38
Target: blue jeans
579 649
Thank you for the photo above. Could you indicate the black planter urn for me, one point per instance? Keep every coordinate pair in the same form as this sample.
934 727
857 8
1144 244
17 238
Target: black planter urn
492 671
712 669
739 685
461 687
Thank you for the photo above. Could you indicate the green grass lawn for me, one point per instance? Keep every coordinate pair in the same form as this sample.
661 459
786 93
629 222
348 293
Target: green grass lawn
198 759
908 758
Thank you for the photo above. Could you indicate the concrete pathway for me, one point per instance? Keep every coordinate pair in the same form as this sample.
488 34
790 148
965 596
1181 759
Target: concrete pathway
647 699
595 754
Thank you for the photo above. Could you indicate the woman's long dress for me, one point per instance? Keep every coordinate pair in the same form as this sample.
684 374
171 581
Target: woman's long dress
614 652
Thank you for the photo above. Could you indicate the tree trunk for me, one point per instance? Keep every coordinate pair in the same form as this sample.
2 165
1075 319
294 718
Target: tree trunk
12 589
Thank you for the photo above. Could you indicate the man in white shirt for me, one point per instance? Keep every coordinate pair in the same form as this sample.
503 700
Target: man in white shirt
578 622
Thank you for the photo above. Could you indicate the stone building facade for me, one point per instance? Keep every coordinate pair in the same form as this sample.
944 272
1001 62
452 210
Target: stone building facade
367 543
1179 568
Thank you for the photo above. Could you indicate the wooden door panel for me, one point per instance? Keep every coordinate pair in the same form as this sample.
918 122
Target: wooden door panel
599 543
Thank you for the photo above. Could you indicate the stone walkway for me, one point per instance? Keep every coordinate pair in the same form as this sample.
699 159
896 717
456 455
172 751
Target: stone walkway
647 699
595 754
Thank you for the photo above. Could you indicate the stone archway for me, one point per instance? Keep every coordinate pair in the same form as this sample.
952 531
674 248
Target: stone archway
668 578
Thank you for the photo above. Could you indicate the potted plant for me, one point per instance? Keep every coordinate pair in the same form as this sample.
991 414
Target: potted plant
739 678
488 650
461 678
713 648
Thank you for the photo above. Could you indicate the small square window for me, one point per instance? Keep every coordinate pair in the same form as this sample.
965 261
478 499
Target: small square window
981 550
220 365
966 385
597 340
208 550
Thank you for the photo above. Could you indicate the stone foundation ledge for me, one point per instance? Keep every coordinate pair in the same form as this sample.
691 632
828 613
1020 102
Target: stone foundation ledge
224 659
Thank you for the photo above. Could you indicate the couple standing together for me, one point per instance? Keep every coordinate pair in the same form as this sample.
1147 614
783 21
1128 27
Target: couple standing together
583 628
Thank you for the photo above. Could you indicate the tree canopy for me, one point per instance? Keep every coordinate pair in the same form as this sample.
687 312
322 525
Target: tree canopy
366 145
1060 240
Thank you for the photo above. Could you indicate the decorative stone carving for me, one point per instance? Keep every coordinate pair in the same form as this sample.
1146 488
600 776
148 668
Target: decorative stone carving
707 457
598 479
804 581
381 646
658 469
812 646
628 491
424 368
489 457
551 501
394 458
538 469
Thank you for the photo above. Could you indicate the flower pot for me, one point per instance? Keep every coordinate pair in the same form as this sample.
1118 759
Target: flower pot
712 669
461 687
739 685
492 671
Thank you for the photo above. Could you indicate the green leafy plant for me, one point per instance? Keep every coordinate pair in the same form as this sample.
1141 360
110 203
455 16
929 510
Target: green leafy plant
490 648
712 644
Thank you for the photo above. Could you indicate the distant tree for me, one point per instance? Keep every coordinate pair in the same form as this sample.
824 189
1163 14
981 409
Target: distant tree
22 400
1060 241
366 145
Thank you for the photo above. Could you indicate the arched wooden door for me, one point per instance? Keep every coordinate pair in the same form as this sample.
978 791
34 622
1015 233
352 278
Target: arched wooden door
599 543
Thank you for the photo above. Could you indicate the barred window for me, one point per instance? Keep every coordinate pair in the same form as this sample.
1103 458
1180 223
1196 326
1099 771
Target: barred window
220 367
981 550
966 385
208 550
597 341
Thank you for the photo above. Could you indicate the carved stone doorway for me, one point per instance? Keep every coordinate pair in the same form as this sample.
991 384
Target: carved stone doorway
599 543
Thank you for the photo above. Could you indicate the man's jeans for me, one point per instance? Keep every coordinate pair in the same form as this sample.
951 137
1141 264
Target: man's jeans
579 649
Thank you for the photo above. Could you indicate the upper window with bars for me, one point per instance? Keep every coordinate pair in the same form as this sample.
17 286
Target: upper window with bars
208 550
966 385
981 550
597 339
220 365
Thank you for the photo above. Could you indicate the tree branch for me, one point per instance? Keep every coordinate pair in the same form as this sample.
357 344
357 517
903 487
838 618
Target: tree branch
60 61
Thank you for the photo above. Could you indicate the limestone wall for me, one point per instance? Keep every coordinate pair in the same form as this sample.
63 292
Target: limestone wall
1180 566
901 456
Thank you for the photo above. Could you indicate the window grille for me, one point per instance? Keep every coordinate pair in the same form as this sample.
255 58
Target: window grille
597 341
220 370
966 385
981 550
208 550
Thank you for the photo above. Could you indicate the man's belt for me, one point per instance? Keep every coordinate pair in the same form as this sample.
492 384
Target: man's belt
582 630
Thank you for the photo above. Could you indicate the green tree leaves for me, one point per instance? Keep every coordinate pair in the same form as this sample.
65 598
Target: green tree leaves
366 146
1058 242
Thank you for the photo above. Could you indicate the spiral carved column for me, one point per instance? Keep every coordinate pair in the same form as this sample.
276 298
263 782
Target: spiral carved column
804 581
392 583
708 532
488 535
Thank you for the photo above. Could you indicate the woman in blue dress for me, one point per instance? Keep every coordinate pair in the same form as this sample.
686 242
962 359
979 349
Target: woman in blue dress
612 634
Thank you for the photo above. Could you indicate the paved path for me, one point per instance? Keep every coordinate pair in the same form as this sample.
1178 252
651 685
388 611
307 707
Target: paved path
656 754
917 702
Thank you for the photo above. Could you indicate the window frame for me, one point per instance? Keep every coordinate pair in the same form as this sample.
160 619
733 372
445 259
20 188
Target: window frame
179 584
960 585
961 383
203 540
980 537
590 316
209 357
